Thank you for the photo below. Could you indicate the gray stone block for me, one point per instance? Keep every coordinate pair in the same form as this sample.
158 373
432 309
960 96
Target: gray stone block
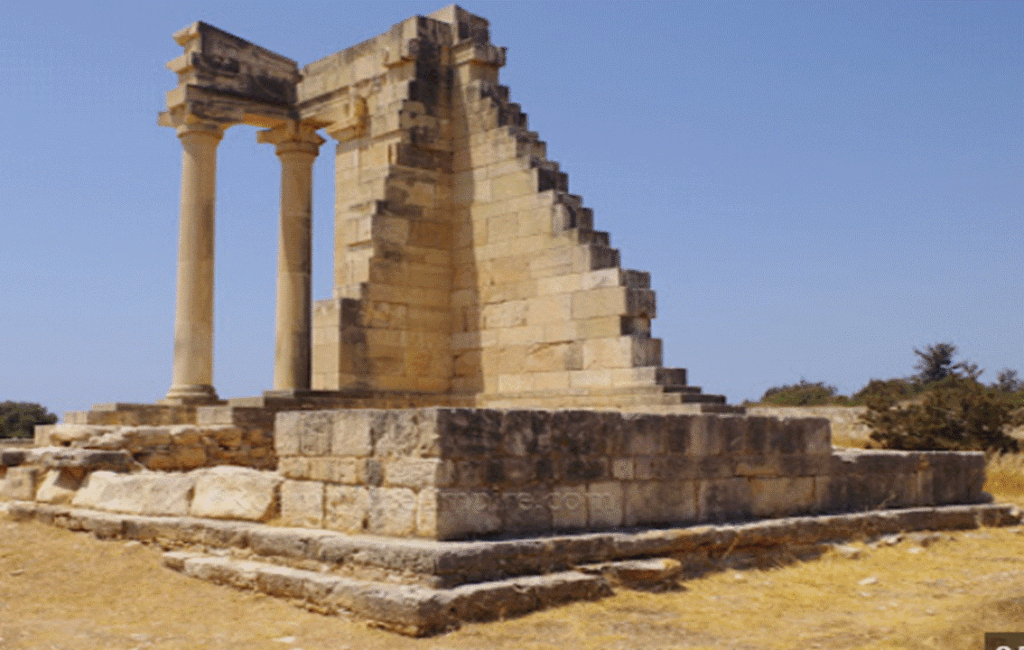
657 502
724 499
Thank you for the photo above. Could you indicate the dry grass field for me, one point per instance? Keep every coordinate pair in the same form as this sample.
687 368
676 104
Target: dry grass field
62 590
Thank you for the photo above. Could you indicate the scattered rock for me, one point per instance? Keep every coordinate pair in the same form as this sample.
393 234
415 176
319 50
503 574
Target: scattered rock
915 550
868 581
924 539
846 551
648 572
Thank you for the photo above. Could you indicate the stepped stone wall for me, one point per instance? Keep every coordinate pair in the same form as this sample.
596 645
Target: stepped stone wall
464 267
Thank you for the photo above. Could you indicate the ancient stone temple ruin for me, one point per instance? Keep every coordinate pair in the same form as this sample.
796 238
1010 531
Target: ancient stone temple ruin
477 422
465 273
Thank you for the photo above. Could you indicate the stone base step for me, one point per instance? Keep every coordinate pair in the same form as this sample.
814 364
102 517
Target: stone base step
407 609
420 586
125 414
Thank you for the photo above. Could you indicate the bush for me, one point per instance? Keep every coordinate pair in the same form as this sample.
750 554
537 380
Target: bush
956 413
803 394
891 390
18 419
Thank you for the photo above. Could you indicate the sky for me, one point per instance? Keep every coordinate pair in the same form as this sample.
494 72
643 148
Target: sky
817 188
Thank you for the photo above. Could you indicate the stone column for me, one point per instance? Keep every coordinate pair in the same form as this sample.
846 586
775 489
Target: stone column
193 315
297 147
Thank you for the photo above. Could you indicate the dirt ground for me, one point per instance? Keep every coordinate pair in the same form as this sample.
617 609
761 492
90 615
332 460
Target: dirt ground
63 590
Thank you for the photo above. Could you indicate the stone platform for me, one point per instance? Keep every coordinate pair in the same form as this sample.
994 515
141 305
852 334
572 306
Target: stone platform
422 587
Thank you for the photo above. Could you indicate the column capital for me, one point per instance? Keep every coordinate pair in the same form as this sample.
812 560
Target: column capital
185 122
292 137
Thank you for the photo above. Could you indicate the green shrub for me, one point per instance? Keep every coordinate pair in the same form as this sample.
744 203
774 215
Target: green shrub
892 390
803 394
19 419
956 413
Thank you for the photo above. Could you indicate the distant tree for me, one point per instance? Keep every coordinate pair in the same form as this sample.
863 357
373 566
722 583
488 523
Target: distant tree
936 363
18 419
1007 381
957 413
803 394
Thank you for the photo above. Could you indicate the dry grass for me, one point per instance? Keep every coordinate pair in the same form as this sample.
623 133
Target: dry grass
61 590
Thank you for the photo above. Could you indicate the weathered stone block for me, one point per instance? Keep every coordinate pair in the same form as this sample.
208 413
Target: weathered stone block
295 467
415 432
656 502
235 493
419 473
316 433
287 430
777 497
59 486
469 433
525 433
724 499
569 507
346 508
352 434
460 513
605 504
20 483
302 503
392 511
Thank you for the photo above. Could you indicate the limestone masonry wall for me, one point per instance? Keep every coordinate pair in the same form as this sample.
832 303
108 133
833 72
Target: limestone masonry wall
452 473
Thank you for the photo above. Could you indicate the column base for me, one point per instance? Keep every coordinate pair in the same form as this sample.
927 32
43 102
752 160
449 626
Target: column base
191 394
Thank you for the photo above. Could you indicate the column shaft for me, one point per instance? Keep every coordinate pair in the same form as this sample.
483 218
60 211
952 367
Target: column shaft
297 148
193 316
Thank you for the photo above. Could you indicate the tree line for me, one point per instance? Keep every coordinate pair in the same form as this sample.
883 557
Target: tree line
943 406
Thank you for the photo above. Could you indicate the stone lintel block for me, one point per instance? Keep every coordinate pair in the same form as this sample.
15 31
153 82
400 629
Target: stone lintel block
20 483
724 499
302 503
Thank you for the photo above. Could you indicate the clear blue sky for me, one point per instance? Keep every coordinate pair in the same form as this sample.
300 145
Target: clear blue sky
816 187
